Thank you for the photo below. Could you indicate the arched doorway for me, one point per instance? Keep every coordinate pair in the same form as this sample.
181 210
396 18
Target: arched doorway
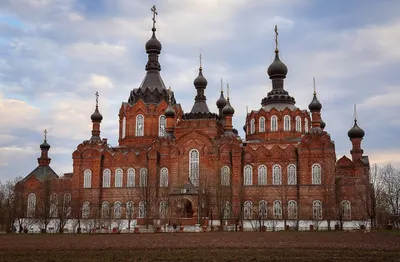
186 208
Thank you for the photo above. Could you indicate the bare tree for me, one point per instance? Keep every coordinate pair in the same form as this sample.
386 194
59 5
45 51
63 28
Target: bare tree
45 204
391 185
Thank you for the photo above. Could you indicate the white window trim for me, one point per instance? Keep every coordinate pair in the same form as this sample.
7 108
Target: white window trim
316 174
286 123
292 181
123 127
162 124
274 123
194 167
276 175
87 178
261 124
106 178
298 124
119 177
164 176
262 176
130 178
139 129
248 176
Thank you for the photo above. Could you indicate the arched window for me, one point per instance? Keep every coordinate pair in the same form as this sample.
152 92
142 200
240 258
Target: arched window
143 177
317 210
87 179
105 210
346 210
131 178
248 175
162 123
298 124
117 209
129 210
274 124
306 125
164 177
316 174
54 205
261 124
262 175
31 205
139 125
67 205
252 126
142 209
292 209
119 174
227 210
262 209
85 209
194 166
106 178
277 210
276 175
292 179
163 209
248 210
225 176
123 127
286 123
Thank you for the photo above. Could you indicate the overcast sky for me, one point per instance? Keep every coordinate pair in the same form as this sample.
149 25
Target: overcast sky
55 54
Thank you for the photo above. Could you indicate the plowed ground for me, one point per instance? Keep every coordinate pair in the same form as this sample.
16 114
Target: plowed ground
218 246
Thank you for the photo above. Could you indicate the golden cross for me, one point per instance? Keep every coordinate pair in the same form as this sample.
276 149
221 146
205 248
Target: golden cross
45 134
276 38
97 98
222 86
227 90
154 10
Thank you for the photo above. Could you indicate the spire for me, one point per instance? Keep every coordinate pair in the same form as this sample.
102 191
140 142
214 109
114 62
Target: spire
169 112
152 89
315 105
96 120
355 131
200 83
228 109
44 159
221 102
277 72
96 116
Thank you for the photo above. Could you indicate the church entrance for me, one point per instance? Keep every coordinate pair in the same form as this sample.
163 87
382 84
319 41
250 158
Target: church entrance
186 208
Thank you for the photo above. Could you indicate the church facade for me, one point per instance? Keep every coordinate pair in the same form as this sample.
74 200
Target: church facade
188 168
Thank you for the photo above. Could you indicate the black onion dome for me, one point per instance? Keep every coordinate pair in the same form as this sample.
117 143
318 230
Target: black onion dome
315 104
96 116
44 145
277 69
221 102
244 128
153 45
169 112
200 80
322 124
356 131
228 109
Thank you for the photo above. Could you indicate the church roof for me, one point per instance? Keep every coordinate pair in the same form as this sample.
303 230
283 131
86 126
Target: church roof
41 172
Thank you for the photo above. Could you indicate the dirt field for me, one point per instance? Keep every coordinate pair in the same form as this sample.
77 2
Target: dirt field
244 246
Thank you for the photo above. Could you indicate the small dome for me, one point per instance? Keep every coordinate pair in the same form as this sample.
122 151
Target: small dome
200 80
221 102
322 124
169 112
315 104
277 69
228 109
44 145
96 116
153 45
244 128
356 131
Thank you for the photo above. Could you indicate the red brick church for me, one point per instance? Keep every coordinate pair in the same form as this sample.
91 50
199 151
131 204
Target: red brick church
188 168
